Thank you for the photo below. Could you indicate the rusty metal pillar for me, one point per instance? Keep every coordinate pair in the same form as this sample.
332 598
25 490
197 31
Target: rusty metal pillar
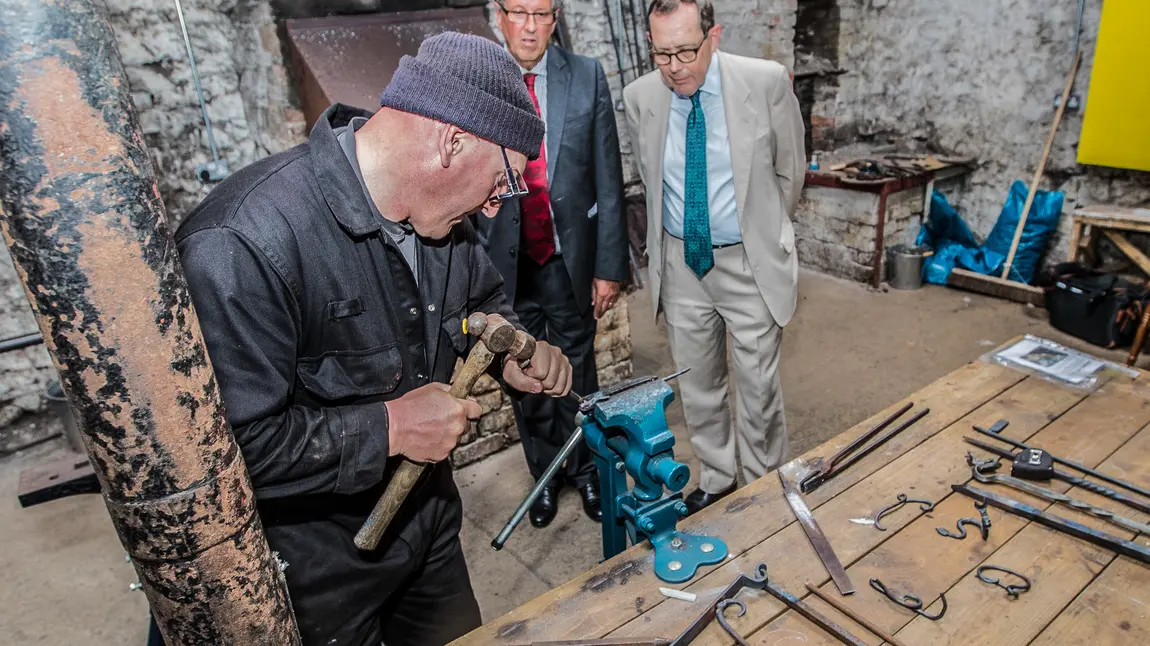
83 219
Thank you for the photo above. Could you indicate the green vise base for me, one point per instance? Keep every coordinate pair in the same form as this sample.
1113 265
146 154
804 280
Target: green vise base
626 429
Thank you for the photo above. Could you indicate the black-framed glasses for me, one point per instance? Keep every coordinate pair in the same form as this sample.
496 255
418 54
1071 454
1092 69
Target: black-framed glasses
684 55
519 16
511 185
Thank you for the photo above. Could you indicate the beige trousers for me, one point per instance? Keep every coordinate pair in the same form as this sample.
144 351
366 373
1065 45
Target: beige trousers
699 314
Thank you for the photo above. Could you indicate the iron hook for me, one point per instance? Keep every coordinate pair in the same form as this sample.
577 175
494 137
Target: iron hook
924 505
1012 591
909 601
720 616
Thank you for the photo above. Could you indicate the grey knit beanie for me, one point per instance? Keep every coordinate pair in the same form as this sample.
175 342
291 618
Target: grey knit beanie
471 82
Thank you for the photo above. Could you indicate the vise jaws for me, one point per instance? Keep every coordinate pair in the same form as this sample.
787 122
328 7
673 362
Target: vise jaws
625 427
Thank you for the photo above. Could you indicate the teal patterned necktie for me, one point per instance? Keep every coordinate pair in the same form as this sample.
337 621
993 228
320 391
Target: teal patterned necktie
696 218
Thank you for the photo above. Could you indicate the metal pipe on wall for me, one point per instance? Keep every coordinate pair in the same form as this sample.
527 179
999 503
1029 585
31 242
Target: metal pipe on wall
86 228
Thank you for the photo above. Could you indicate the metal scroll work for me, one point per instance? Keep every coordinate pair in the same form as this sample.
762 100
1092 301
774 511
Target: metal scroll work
909 601
925 506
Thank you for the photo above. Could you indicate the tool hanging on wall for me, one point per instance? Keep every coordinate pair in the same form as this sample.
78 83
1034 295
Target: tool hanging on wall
996 429
217 169
821 470
1061 475
909 601
1012 591
1077 530
979 470
925 506
790 473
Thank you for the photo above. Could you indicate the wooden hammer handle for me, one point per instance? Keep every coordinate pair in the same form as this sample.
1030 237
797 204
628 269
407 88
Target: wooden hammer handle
408 473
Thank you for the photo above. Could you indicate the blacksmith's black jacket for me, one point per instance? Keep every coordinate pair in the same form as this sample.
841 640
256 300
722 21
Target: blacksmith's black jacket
312 320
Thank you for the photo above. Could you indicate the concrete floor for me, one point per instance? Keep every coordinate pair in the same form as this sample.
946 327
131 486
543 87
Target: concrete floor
849 352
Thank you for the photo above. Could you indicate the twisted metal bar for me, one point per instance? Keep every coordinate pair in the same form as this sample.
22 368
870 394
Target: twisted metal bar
979 467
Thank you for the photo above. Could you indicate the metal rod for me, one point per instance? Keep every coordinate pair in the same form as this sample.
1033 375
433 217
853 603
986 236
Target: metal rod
1068 463
615 41
549 473
544 480
19 342
1077 530
1078 28
816 617
854 616
196 80
89 237
1070 478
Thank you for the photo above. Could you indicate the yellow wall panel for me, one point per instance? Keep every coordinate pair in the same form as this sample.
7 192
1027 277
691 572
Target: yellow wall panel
1116 125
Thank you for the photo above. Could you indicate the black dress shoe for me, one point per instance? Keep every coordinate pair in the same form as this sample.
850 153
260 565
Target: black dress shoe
699 499
591 501
545 507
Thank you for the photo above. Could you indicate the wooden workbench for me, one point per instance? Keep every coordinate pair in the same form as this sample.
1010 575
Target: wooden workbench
1082 594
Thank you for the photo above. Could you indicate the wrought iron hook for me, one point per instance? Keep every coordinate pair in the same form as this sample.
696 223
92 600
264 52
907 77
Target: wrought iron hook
909 601
1012 591
720 616
924 505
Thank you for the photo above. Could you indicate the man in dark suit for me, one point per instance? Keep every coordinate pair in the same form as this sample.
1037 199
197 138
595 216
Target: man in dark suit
562 249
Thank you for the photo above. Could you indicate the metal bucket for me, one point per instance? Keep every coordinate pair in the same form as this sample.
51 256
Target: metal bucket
58 402
905 266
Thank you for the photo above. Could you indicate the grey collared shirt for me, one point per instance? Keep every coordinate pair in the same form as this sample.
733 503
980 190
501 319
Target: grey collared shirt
540 72
400 232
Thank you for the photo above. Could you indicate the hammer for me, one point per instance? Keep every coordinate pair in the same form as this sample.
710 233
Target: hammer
496 335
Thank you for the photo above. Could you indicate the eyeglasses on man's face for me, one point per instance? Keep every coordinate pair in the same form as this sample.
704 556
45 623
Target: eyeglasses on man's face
511 185
519 16
684 55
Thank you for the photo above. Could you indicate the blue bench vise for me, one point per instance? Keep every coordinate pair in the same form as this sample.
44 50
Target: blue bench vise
626 428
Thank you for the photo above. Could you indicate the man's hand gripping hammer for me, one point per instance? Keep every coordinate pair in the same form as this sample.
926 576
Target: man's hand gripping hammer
496 336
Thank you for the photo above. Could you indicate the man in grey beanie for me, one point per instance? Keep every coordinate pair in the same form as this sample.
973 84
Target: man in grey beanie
331 282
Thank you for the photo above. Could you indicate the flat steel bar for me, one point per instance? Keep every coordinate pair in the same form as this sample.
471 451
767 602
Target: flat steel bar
83 220
816 617
815 534
1066 526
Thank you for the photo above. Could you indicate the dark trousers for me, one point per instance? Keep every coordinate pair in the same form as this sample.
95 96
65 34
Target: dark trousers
546 306
413 591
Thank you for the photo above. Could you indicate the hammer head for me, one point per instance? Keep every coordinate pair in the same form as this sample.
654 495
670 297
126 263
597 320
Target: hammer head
523 348
493 331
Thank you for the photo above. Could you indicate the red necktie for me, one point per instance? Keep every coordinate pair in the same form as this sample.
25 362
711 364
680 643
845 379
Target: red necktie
538 230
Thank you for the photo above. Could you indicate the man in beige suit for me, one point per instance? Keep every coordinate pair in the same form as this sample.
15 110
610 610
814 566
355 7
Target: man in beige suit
719 140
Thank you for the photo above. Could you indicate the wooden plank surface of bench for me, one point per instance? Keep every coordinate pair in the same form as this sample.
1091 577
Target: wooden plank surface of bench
1082 594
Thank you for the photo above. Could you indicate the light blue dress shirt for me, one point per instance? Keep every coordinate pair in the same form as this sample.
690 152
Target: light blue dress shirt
724 212
540 72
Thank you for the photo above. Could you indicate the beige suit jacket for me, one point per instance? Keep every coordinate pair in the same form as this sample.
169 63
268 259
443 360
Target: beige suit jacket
769 160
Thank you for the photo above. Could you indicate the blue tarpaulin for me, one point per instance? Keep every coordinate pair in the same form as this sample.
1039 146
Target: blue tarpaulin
954 245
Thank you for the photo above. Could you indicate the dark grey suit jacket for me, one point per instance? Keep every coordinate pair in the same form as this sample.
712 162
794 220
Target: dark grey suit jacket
585 175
